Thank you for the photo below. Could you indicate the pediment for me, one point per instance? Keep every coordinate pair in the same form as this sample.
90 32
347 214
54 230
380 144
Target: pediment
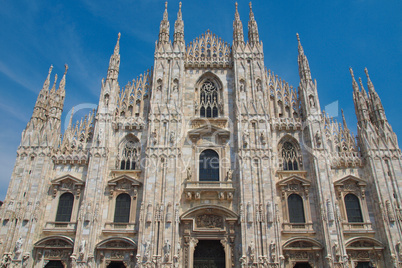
294 179
67 179
124 180
299 243
364 242
209 128
350 179
117 243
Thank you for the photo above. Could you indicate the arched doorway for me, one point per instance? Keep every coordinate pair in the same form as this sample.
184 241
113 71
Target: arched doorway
209 254
302 265
54 264
116 264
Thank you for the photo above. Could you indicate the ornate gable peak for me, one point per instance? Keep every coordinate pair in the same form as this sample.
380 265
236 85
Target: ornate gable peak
357 180
302 243
76 181
133 181
294 178
208 50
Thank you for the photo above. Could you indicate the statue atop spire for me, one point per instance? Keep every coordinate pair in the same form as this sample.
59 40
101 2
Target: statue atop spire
179 28
62 84
114 63
238 36
46 84
304 68
253 37
164 28
369 83
354 83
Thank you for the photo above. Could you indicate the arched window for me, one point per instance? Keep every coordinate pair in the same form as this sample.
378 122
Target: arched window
130 155
122 209
296 210
353 209
209 166
289 155
209 100
65 207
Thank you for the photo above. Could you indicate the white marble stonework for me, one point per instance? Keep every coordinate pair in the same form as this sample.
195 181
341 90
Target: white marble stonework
285 185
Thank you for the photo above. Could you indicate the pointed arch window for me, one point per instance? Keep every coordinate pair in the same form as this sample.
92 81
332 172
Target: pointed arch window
209 100
65 207
209 166
130 155
122 209
289 156
296 209
353 209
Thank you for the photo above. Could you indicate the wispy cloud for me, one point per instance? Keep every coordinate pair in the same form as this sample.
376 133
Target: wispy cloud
15 78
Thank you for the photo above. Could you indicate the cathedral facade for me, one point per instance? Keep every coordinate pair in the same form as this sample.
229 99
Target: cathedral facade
207 160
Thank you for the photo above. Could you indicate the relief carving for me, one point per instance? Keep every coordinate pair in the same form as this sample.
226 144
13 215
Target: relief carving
209 221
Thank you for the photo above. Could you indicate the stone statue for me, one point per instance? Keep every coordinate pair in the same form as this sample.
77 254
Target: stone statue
18 245
147 250
189 174
246 138
262 138
154 137
251 251
172 137
82 248
5 261
166 250
229 175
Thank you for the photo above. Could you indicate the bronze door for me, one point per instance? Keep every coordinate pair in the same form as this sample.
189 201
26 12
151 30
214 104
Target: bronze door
209 254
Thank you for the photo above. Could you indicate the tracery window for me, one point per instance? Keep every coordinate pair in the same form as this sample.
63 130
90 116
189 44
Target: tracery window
209 166
209 100
122 208
353 209
65 207
296 210
130 155
289 156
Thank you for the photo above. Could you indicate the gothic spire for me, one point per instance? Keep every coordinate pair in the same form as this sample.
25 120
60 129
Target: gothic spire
238 36
304 68
53 90
253 37
47 81
164 28
62 84
114 63
179 28
369 83
354 83
345 126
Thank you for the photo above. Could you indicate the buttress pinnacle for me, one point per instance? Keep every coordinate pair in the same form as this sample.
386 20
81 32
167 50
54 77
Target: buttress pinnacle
164 28
238 37
46 84
253 37
304 68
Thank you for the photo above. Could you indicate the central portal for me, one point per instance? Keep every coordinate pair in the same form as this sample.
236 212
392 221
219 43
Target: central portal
209 254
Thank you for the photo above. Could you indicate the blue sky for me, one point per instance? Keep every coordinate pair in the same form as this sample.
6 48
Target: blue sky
335 35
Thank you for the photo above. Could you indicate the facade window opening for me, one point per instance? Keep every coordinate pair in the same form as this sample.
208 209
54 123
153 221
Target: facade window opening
65 207
130 156
296 209
122 209
209 100
209 166
353 209
289 155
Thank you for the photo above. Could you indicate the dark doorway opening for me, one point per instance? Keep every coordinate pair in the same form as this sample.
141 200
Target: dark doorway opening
209 254
54 264
116 264
363 265
302 265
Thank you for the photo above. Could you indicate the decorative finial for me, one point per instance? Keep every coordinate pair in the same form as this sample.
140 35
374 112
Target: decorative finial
367 74
65 68
250 5
351 72
179 5
50 69
236 5
118 36
298 37
166 5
